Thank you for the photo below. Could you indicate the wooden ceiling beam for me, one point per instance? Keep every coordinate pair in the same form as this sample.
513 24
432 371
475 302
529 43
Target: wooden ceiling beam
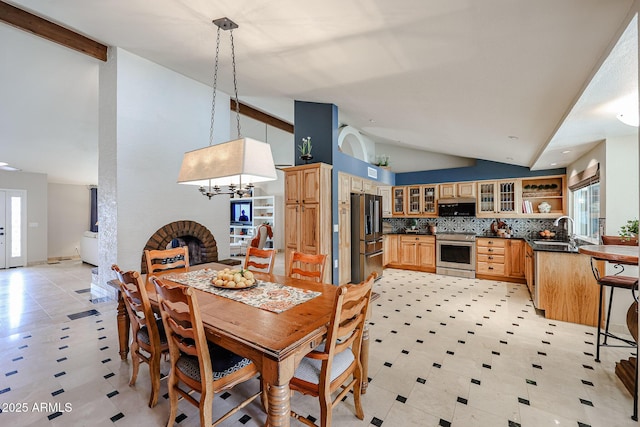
262 117
53 32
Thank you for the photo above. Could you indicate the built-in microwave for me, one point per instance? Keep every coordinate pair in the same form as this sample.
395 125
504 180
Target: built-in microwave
457 207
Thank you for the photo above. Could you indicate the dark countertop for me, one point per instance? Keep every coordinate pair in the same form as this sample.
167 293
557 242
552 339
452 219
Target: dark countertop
549 247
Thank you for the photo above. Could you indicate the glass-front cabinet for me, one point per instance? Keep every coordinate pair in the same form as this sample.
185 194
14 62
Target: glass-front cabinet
429 200
499 197
413 200
398 201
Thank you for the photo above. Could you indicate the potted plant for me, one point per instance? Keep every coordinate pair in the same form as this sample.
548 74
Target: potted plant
305 149
629 230
382 161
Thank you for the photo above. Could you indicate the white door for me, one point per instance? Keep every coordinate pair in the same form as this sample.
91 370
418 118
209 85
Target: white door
13 228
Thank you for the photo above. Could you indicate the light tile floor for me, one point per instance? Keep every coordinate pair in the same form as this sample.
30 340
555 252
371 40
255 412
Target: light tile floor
444 352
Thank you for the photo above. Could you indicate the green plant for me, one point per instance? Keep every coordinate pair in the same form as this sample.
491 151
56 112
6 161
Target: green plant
305 148
629 230
382 160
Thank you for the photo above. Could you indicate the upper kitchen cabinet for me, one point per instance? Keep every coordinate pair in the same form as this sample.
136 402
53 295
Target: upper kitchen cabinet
344 188
499 198
458 189
429 195
385 192
544 196
398 201
414 200
356 184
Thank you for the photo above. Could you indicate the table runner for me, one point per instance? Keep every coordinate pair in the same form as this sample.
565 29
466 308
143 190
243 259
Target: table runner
266 295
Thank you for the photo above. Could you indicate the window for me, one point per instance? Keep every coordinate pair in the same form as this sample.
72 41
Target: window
586 211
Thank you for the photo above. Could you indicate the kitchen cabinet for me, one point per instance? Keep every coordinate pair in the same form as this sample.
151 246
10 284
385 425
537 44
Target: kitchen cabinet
500 258
549 189
414 200
390 245
529 269
429 202
344 243
385 193
565 287
458 189
398 201
498 198
344 188
356 184
413 252
308 212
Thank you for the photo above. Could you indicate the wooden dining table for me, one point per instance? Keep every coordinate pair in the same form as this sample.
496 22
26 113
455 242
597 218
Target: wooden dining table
275 342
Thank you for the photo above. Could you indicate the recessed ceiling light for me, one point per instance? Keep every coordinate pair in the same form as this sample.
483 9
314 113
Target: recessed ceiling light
371 121
566 151
509 158
513 137
553 164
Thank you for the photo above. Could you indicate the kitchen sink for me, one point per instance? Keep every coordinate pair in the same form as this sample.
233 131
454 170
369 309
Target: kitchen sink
552 243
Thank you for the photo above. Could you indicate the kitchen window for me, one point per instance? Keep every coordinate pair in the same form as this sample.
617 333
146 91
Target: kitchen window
585 189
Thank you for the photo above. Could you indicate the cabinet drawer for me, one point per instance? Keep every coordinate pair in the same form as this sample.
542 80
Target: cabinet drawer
500 243
490 268
495 259
490 250
418 239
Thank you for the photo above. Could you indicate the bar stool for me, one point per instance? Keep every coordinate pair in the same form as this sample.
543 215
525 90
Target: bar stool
616 280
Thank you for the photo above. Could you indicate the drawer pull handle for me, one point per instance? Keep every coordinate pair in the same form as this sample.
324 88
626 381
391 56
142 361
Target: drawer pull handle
490 268
490 250
490 257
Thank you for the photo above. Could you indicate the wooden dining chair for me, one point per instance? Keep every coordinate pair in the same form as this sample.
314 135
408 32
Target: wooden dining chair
326 369
259 260
175 260
196 364
306 266
148 341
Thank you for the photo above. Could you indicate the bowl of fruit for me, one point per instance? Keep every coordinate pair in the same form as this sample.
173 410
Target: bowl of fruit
234 279
546 234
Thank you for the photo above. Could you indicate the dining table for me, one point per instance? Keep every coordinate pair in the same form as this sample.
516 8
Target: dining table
275 341
626 370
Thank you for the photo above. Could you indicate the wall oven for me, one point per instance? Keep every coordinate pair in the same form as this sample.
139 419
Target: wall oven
456 254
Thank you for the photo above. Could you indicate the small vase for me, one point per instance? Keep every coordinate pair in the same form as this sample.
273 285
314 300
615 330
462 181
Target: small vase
306 158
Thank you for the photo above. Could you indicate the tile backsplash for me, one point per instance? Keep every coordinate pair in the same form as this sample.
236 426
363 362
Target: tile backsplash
521 227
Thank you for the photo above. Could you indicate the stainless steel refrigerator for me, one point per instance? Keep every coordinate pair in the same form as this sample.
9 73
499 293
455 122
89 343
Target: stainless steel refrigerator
366 236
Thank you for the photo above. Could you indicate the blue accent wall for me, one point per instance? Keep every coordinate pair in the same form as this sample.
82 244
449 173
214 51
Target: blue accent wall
320 122
482 170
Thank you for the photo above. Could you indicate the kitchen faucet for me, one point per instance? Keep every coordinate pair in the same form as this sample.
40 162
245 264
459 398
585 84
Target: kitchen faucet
571 232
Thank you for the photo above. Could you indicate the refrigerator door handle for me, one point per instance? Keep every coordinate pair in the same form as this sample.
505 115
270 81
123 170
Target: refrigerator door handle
374 254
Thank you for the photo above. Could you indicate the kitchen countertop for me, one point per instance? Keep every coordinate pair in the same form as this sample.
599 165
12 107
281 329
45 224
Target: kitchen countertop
536 247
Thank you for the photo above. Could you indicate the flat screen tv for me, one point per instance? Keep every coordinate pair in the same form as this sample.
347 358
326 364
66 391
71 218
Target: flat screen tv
240 212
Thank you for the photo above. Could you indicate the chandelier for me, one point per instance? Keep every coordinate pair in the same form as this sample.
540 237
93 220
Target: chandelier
228 164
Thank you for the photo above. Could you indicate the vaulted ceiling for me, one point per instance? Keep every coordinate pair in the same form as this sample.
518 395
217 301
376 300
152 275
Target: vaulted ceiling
512 81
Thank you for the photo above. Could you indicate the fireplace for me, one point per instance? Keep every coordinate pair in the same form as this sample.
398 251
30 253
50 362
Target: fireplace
201 243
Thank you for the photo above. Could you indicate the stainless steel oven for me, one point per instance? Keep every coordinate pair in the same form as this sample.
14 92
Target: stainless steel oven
456 254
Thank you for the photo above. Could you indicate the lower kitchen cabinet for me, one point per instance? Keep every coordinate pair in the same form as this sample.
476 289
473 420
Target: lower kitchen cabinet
411 252
565 287
501 259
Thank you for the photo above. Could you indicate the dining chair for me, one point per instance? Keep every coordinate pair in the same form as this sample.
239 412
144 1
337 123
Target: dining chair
306 266
259 260
196 364
175 260
614 281
326 368
148 341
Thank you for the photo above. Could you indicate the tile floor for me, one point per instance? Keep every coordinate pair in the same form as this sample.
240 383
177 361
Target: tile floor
444 352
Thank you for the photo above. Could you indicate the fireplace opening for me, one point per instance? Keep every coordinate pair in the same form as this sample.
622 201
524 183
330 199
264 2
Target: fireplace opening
201 243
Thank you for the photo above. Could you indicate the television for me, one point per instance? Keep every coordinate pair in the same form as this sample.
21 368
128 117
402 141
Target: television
241 212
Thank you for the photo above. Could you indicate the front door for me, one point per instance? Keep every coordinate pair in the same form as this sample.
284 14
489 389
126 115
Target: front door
13 228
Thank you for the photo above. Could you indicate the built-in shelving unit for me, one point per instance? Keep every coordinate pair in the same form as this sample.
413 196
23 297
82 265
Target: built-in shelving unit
262 211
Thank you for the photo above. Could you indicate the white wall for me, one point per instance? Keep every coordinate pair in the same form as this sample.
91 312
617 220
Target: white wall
149 116
618 158
408 160
69 216
37 228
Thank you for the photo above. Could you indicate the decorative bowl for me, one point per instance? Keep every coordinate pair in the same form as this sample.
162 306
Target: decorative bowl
544 207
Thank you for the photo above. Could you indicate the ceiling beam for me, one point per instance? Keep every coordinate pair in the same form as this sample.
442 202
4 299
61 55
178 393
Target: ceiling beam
262 117
53 32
